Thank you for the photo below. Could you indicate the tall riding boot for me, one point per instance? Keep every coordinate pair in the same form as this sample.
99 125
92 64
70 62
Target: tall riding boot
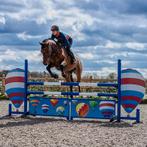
72 57
70 54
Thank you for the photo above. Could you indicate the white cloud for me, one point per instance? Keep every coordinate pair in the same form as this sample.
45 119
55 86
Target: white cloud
16 56
25 36
135 45
11 54
39 11
102 34
8 55
87 56
111 44
2 20
132 45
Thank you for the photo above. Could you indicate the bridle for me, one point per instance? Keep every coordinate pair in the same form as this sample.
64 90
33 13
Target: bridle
46 51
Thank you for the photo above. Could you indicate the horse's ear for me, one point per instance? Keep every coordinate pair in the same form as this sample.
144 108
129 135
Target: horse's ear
40 43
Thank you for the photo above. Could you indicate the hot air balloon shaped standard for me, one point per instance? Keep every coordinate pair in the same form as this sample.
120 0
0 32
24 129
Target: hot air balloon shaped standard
15 87
132 89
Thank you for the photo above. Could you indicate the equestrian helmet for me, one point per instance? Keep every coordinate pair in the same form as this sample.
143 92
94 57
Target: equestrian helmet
54 28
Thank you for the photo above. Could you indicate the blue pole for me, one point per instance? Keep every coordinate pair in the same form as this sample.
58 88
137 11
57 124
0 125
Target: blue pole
137 115
74 84
26 81
10 109
119 91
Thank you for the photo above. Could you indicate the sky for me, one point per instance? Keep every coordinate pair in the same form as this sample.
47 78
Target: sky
103 31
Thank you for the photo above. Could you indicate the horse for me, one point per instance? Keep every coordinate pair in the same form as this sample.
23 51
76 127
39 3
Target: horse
53 57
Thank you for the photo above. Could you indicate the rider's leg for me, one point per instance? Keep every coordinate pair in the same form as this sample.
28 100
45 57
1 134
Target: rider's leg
64 52
70 54
64 63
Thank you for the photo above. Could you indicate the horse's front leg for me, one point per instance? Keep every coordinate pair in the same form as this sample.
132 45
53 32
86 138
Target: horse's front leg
54 75
61 68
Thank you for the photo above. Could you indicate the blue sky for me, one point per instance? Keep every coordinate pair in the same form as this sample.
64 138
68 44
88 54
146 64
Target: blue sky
103 31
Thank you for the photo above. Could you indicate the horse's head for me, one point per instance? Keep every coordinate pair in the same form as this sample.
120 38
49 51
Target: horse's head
46 50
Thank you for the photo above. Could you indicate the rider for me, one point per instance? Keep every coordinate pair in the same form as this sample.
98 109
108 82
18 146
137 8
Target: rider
64 41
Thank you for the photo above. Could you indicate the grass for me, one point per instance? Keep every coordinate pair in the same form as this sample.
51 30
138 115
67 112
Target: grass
3 97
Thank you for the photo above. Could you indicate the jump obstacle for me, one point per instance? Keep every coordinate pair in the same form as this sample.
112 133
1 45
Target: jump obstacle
71 107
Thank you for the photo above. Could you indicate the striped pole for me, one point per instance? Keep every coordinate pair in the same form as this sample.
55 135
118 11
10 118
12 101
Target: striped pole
74 84
73 93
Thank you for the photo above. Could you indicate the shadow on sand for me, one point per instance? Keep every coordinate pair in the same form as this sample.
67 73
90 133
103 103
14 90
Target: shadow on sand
19 121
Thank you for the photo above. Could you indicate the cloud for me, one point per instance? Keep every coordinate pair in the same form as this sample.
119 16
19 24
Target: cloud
102 30
25 36
87 56
135 45
11 58
110 44
2 20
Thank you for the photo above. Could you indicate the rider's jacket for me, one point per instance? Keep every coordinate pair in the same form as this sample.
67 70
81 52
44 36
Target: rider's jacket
63 40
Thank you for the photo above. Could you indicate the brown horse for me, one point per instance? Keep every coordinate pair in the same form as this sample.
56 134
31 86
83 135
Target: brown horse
53 56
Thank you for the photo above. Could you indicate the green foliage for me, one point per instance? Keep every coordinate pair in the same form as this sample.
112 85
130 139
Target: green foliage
144 101
3 97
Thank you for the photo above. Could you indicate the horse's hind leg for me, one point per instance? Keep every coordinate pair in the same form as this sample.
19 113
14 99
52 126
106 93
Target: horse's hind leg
71 78
67 77
54 75
78 73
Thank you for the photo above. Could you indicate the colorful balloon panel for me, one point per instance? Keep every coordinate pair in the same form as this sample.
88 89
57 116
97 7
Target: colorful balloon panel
45 108
60 110
54 102
82 109
107 108
93 104
15 87
34 102
132 89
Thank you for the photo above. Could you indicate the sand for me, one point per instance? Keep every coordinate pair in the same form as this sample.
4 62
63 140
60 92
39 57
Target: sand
46 132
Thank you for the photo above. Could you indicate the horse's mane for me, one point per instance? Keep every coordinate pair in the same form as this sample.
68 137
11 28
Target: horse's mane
49 41
52 43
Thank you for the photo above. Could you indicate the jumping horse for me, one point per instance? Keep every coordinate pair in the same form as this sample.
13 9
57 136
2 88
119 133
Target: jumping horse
54 56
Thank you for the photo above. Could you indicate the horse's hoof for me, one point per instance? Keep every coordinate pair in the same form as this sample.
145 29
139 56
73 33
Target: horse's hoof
63 75
55 76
